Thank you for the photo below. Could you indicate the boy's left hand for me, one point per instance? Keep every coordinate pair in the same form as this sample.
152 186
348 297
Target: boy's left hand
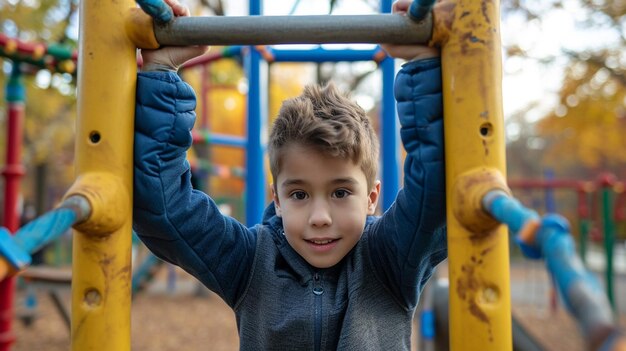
408 52
170 58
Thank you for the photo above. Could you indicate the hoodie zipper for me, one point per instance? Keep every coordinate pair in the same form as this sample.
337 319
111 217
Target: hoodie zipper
318 290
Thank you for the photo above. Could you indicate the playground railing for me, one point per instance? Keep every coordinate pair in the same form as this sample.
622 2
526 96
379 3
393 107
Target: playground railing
549 238
268 30
15 250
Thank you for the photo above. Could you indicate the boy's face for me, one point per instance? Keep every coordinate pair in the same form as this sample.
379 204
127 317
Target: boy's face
323 203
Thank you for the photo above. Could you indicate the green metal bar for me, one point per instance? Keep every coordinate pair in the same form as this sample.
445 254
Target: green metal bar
609 237
584 219
584 225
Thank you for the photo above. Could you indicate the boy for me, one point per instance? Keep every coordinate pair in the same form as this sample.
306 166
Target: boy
320 272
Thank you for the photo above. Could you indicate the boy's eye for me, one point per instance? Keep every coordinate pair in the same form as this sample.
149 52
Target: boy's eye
341 193
298 195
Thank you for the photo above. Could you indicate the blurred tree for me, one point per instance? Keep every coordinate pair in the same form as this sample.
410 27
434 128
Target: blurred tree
581 134
587 127
50 97
39 20
524 147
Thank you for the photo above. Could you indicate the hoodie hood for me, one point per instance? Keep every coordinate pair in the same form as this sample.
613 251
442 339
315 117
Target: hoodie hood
271 219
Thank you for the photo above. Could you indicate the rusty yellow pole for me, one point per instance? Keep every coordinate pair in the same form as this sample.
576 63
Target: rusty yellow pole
480 308
101 291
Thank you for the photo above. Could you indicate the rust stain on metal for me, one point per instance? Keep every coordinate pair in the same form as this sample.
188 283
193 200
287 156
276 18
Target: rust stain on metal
124 271
469 38
486 147
477 238
484 252
483 7
78 326
107 265
469 285
106 261
125 275
478 313
464 42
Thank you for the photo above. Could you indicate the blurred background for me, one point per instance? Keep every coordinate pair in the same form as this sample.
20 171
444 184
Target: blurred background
564 98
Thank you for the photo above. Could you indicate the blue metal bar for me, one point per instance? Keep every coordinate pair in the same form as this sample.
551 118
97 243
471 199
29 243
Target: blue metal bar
218 139
508 210
581 291
12 253
385 6
257 122
322 55
390 141
390 172
548 175
44 229
53 224
157 9
579 288
420 9
37 233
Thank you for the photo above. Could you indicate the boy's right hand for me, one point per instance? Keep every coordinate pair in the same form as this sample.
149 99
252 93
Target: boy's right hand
170 58
408 52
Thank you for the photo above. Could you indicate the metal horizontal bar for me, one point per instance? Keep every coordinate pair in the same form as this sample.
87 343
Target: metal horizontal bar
318 29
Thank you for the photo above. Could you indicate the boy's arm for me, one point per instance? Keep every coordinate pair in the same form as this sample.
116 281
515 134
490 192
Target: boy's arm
410 238
179 224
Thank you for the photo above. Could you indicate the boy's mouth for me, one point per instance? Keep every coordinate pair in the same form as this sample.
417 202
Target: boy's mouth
322 245
322 242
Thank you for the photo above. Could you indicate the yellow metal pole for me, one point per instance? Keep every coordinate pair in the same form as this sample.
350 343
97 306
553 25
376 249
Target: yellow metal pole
480 308
101 289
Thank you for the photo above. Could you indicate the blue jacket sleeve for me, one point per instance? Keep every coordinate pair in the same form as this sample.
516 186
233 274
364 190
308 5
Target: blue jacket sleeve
409 240
179 224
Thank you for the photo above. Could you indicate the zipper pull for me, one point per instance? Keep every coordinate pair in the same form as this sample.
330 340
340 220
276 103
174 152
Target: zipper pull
317 287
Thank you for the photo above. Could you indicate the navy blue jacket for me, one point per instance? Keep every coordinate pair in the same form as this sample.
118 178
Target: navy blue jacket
366 301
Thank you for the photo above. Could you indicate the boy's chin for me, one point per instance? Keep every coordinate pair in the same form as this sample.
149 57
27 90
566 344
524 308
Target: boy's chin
323 263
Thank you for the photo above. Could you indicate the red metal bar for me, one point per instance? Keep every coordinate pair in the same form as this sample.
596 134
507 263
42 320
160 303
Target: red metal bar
620 206
583 206
37 50
13 170
12 173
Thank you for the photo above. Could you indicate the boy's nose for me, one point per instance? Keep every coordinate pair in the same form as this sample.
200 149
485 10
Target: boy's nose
320 214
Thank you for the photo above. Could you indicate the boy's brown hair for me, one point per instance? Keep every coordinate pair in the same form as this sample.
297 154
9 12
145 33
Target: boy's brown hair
331 123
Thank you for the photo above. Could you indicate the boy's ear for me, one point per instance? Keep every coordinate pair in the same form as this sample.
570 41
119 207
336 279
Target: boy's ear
276 201
373 196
